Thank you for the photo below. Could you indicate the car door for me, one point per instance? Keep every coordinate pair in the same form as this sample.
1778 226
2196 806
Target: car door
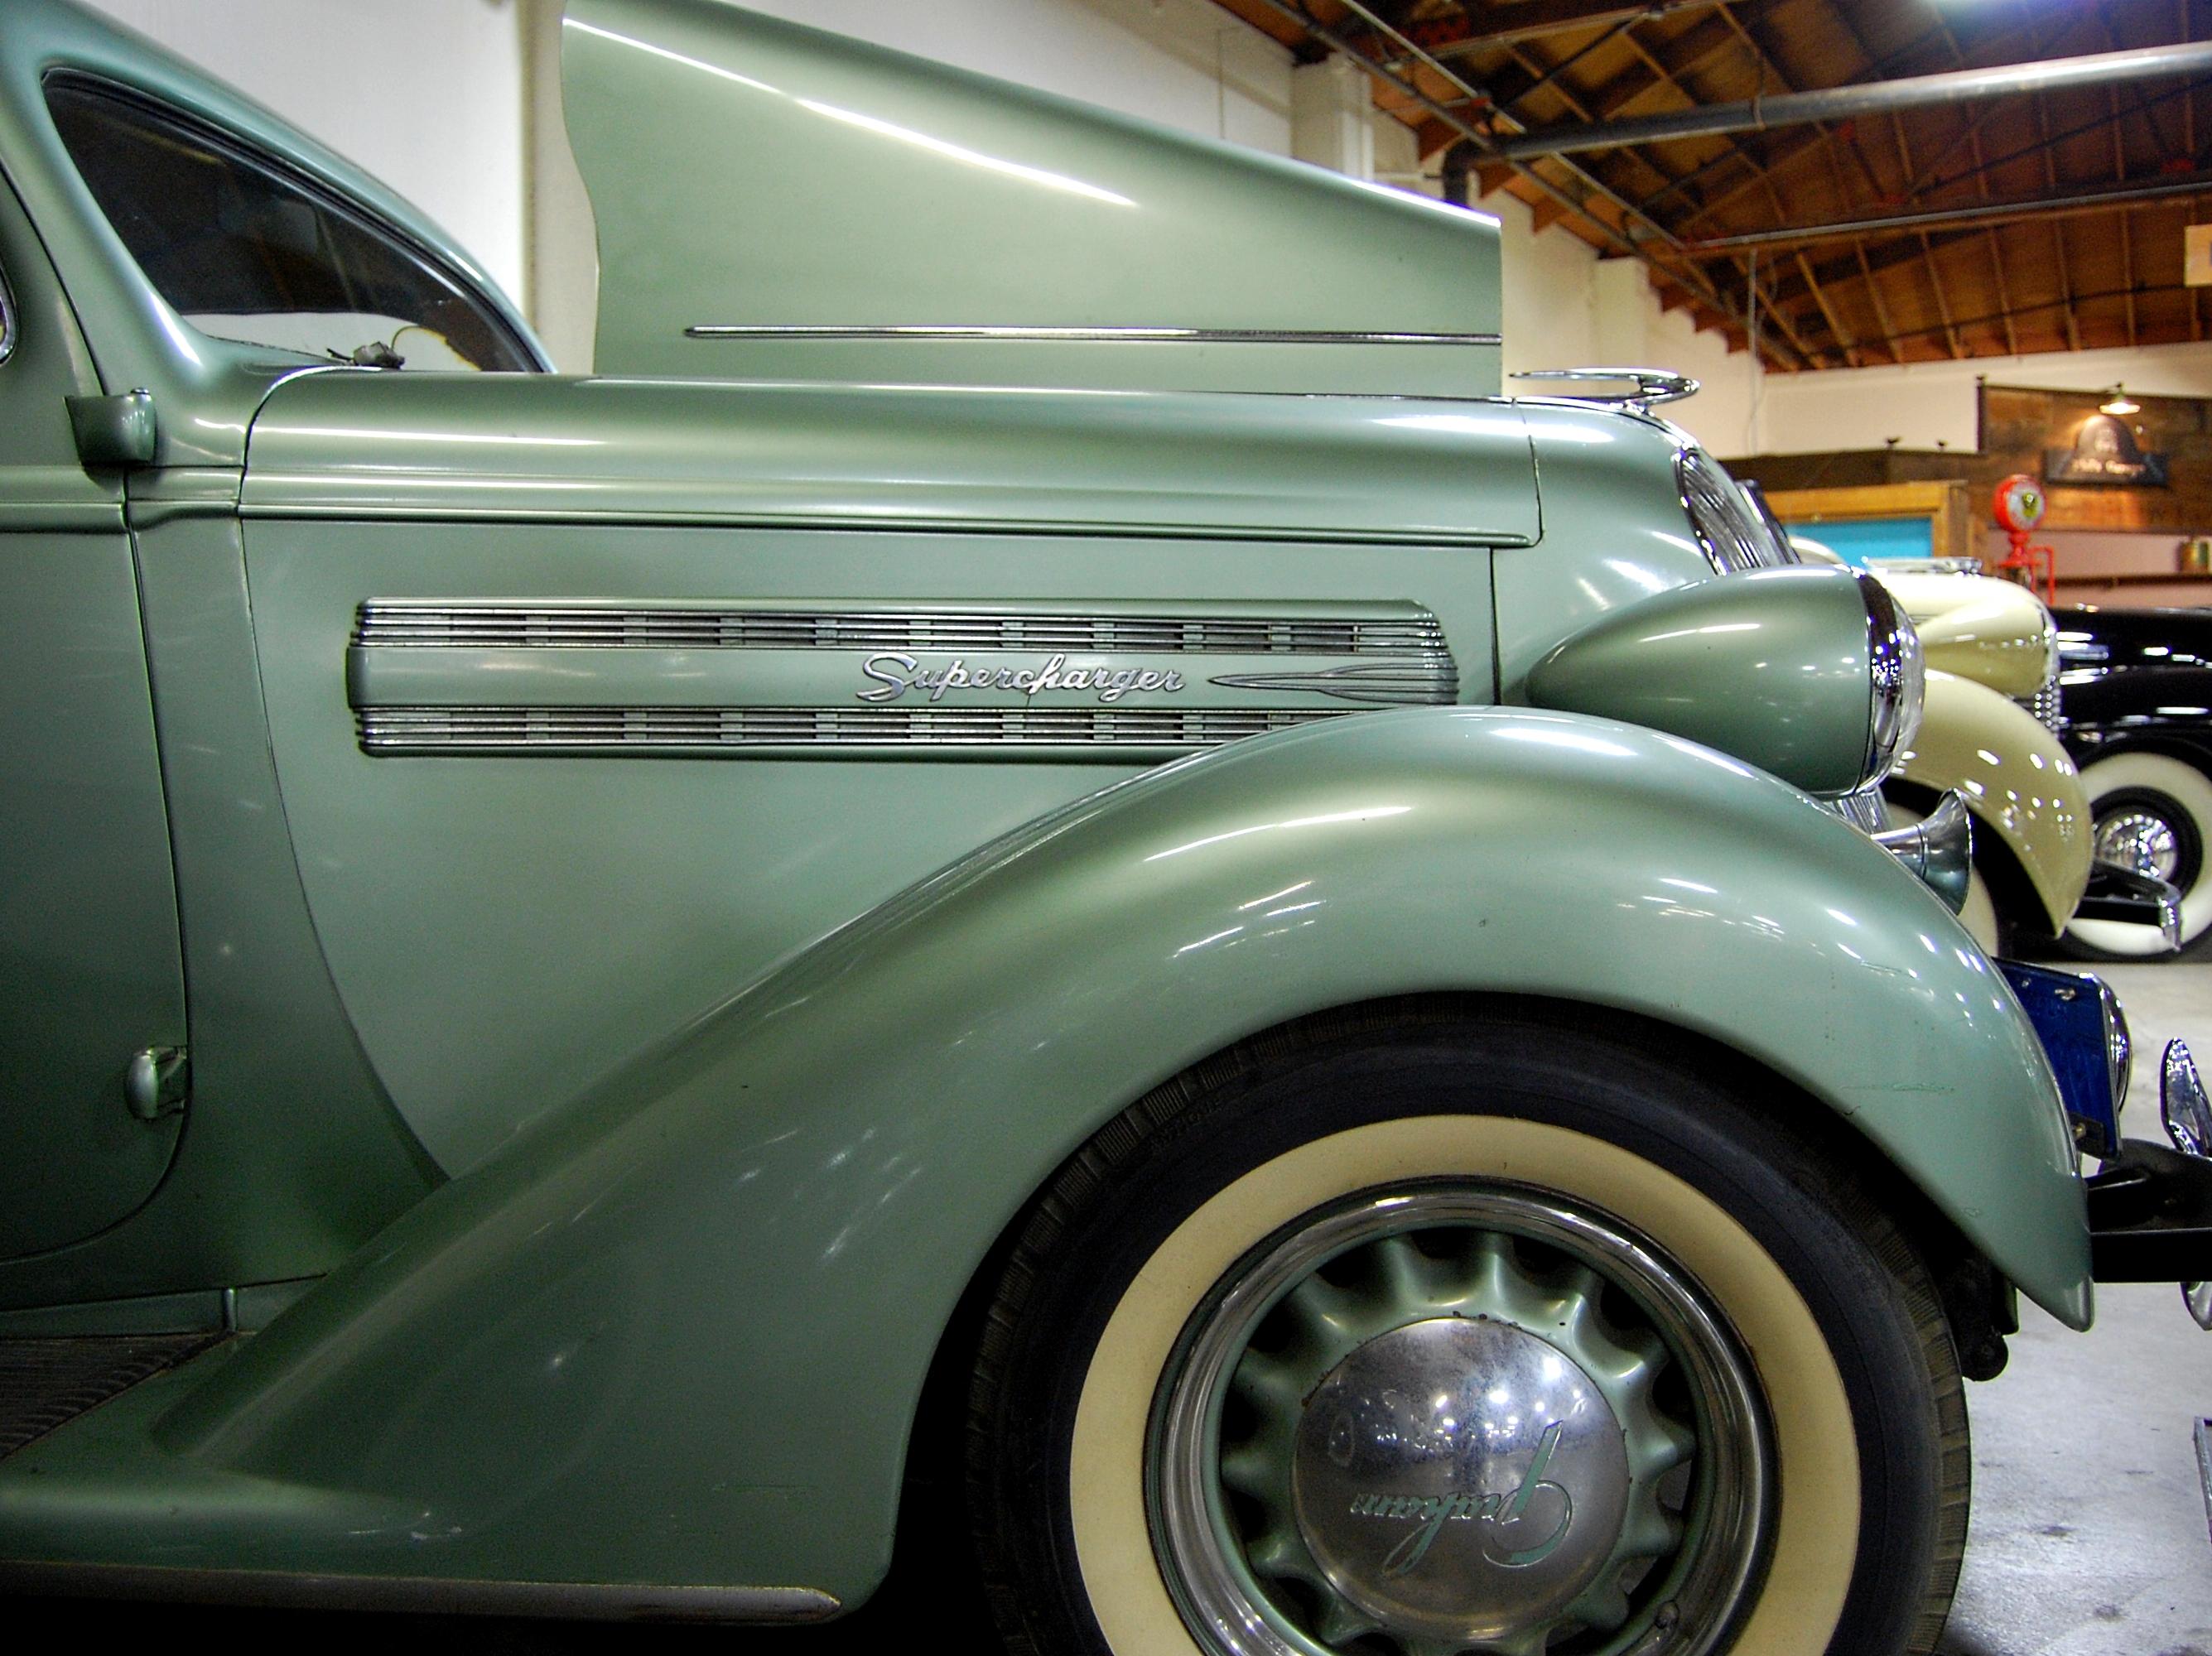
91 972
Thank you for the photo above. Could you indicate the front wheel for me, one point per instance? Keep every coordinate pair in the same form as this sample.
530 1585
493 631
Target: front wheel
2153 814
1466 1335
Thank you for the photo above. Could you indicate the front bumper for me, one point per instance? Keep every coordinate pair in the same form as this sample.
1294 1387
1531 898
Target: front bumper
2150 1208
2115 893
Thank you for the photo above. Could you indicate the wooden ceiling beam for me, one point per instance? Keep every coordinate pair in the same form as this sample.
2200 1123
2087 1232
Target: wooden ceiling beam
1982 118
2039 308
2120 176
1836 326
1696 45
1580 197
1865 268
2059 229
2189 145
1667 77
1495 25
1824 134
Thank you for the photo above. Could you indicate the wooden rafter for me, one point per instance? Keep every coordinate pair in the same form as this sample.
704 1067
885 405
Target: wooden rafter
1822 135
2073 316
1582 195
2189 147
1665 76
1866 274
2100 295
1982 119
1873 266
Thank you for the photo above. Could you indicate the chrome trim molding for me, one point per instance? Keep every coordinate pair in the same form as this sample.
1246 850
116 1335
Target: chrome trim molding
2183 1108
1085 335
2046 706
1426 681
1393 631
700 677
1863 809
287 1589
1735 534
1897 677
702 732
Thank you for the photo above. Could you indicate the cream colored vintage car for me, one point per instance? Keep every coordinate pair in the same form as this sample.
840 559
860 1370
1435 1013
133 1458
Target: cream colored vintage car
1991 732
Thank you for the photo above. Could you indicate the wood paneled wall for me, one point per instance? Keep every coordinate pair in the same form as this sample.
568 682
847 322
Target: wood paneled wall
2017 425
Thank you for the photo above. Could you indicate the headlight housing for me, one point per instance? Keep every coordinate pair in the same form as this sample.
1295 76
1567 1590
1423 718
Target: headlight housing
1897 677
1812 674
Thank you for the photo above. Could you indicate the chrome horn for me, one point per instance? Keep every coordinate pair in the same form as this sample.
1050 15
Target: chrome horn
1939 849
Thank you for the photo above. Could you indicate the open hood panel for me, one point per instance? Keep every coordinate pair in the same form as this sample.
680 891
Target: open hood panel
774 201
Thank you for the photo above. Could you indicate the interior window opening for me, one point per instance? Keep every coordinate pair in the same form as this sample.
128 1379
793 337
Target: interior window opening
245 248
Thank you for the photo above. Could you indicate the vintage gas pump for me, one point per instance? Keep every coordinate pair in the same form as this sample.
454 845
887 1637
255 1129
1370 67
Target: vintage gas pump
2019 506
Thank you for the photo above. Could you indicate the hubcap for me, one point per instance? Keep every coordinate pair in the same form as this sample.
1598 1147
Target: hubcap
1457 1419
2137 840
1460 1479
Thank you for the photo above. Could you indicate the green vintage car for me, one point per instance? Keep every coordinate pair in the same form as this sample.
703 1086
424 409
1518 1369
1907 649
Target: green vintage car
1039 847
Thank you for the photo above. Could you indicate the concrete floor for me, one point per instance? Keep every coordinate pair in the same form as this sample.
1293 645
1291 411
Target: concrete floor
2089 1534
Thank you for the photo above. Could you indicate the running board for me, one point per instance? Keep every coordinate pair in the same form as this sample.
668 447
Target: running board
286 1589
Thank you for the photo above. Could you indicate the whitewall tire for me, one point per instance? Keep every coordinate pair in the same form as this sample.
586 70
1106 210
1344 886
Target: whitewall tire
1675 1386
2153 814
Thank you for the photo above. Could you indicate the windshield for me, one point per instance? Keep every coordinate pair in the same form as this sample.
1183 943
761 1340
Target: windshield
245 248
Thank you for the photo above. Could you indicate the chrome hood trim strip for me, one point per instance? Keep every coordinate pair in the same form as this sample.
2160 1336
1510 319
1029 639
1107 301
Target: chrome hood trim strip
1087 335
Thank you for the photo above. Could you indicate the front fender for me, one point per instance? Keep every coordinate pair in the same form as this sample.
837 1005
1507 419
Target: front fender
2016 779
679 1334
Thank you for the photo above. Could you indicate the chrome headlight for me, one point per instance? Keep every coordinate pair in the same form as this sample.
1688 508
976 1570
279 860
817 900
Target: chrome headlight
1898 678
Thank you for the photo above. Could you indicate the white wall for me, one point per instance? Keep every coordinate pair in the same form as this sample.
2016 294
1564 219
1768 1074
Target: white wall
1566 308
1923 405
427 95
1186 63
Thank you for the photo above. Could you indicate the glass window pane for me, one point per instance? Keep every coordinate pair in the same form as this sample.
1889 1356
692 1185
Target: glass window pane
243 248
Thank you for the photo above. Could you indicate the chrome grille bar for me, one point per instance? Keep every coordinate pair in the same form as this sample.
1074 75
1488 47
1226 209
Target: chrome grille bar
388 623
598 730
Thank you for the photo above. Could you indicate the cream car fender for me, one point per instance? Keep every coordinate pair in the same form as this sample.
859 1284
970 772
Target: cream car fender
2016 779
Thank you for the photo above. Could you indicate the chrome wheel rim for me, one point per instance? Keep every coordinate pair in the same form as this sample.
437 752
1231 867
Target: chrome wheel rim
1451 1418
2138 840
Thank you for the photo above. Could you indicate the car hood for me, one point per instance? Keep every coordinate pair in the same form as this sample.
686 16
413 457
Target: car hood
776 202
2093 636
357 443
1992 631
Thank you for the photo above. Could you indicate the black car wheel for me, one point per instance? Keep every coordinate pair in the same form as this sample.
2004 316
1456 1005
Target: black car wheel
2153 814
1463 1333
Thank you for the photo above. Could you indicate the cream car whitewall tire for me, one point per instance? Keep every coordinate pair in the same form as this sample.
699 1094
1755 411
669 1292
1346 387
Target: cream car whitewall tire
2172 799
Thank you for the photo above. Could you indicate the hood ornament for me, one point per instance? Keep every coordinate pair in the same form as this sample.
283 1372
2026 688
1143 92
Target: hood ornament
1653 385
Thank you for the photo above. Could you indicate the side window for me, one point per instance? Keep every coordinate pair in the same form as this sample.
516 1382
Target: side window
244 248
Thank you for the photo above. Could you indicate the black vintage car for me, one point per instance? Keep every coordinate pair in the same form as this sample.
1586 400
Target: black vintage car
2135 687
